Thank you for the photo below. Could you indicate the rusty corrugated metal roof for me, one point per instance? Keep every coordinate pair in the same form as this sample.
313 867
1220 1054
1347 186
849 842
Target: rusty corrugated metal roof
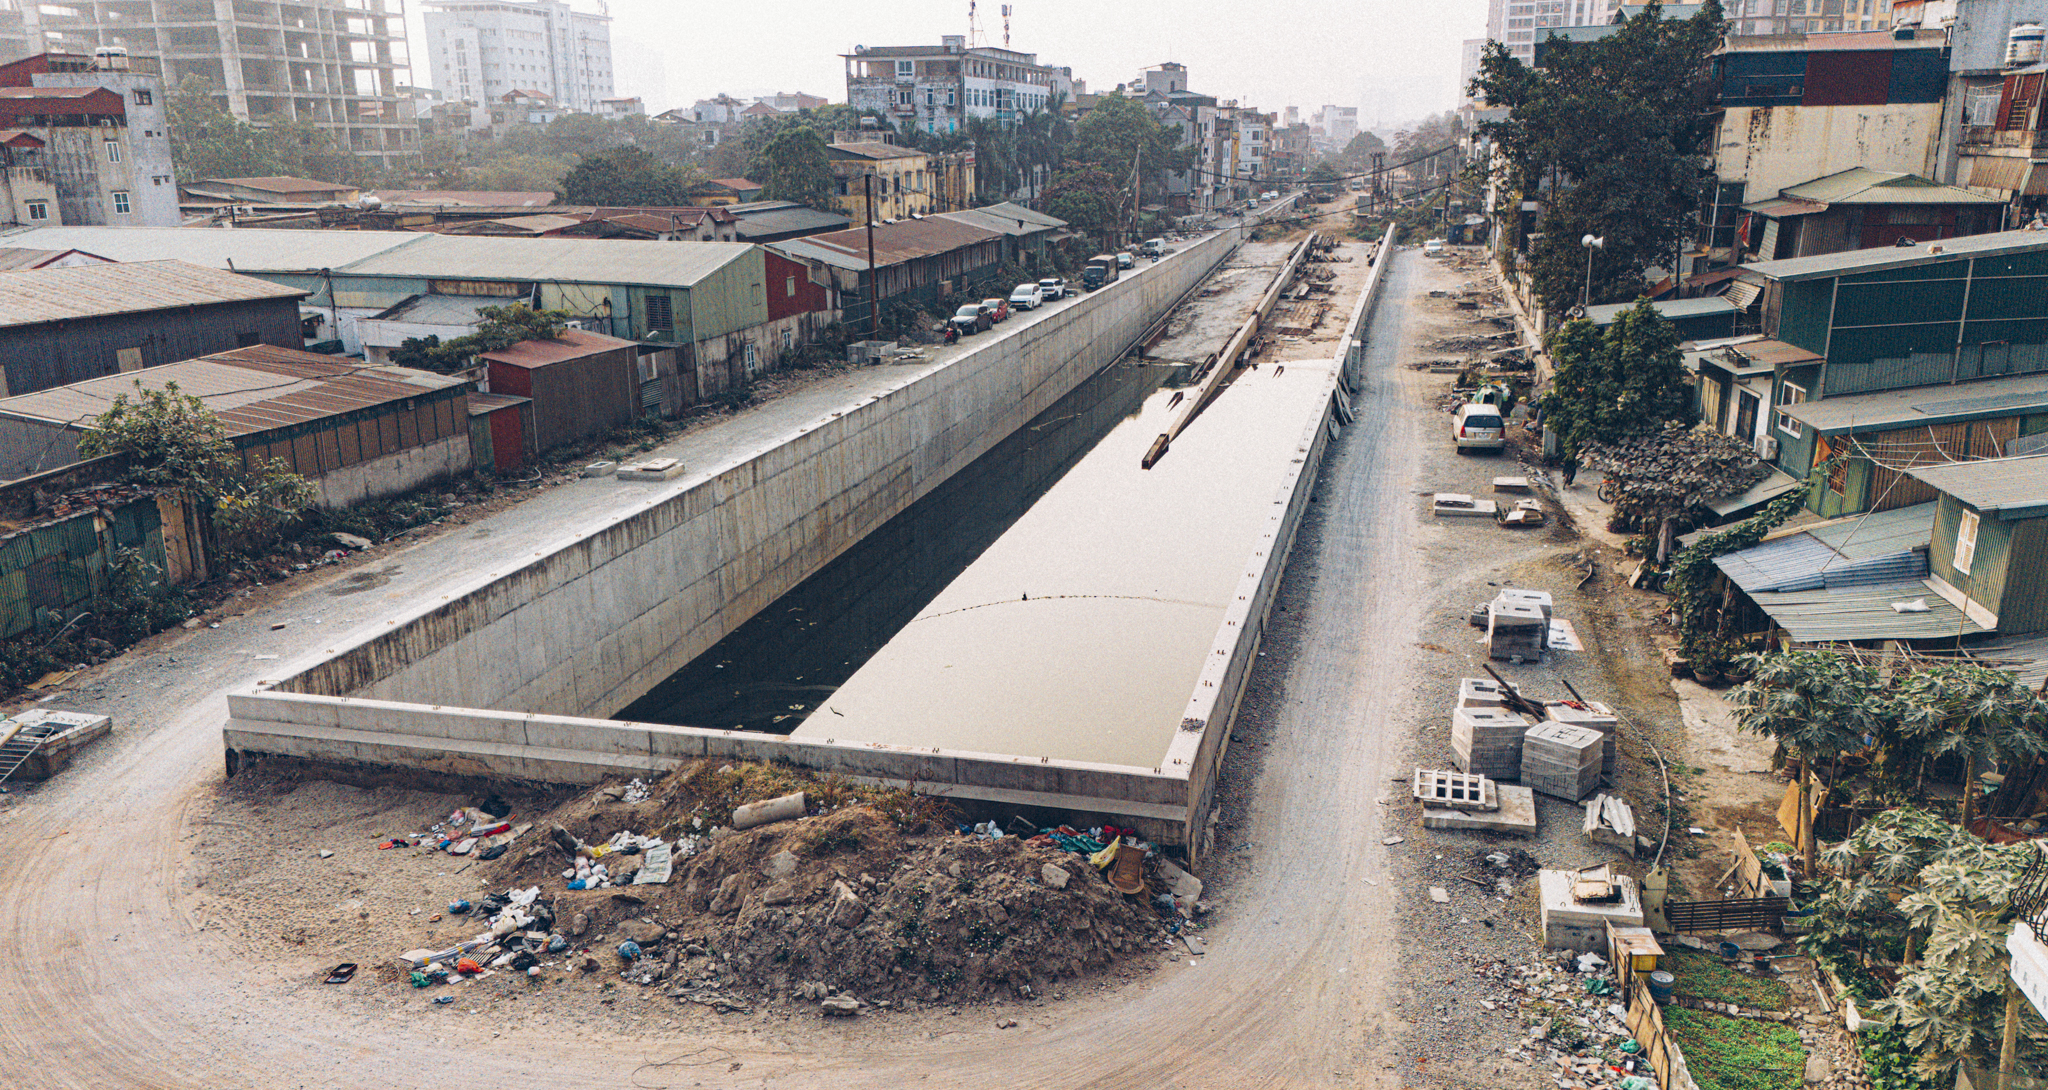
901 241
1775 352
71 292
251 389
572 344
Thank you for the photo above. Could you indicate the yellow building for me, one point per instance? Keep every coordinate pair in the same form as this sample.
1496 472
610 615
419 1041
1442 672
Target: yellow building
903 184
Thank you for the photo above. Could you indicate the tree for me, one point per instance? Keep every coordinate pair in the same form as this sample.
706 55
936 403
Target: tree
795 167
1324 172
502 327
209 142
174 441
1909 880
1629 380
1119 134
1816 704
1359 152
624 176
1608 136
1664 476
1086 199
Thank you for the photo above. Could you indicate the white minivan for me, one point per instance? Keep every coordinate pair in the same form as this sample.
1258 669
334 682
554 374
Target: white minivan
1026 297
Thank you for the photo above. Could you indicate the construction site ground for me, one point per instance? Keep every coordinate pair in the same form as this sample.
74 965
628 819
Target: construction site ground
168 927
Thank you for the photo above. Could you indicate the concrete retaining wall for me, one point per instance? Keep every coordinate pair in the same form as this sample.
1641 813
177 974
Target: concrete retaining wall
548 638
1198 750
592 625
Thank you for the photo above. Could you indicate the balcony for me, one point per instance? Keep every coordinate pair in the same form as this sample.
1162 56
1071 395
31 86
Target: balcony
1986 136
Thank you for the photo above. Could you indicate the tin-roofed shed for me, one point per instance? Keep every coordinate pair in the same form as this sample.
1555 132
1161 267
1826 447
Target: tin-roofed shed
1990 548
77 322
356 431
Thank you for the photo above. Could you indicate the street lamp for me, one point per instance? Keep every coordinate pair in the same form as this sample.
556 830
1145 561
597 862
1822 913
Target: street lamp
1591 243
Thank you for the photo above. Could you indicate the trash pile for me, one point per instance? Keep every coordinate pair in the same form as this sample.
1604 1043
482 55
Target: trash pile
838 895
482 829
521 929
1574 1025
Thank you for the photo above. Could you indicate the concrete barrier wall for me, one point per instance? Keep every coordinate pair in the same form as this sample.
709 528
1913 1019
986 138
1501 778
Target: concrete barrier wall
368 705
592 625
1197 751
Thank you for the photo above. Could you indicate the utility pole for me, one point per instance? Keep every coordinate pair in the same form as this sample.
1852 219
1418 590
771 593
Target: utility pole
867 185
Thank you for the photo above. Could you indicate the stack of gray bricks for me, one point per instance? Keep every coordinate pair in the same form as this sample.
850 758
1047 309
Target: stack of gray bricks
1516 630
1596 716
1562 760
1487 741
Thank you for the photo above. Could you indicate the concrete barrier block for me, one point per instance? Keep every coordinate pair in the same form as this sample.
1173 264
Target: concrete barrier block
292 708
678 743
588 735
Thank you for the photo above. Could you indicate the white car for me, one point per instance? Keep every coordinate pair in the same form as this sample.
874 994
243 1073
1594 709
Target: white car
1052 287
1433 248
1478 427
1026 297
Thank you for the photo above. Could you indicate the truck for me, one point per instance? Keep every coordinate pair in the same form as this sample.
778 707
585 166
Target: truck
1102 269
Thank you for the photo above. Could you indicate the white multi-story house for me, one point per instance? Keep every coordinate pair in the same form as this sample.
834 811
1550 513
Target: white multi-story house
937 88
481 50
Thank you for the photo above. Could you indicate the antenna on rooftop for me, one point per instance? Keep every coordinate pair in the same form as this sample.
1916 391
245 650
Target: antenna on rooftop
973 25
1006 26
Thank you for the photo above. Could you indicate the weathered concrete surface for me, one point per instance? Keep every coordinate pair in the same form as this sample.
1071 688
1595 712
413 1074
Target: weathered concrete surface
549 645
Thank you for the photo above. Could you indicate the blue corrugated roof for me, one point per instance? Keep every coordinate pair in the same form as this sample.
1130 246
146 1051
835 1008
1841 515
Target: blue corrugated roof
1878 548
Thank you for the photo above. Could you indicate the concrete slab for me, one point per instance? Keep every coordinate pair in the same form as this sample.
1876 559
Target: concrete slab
653 469
1453 505
1569 924
1516 816
1511 484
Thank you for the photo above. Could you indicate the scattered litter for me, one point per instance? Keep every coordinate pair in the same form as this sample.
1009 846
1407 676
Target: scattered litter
341 974
1440 895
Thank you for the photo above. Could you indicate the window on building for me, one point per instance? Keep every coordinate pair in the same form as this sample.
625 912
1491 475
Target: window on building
660 314
113 151
38 210
788 338
1790 394
789 287
143 98
1966 543
906 69
120 202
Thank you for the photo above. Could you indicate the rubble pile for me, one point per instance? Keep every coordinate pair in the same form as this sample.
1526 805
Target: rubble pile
1574 1025
840 903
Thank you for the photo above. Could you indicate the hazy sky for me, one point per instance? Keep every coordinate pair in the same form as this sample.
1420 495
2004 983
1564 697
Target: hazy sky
1395 61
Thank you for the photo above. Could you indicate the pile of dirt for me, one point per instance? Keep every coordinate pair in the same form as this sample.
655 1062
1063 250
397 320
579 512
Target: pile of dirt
872 893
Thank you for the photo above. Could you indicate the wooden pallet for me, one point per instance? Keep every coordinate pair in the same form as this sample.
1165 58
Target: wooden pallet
1455 790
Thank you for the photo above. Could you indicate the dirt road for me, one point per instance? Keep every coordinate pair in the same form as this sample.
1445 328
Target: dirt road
111 981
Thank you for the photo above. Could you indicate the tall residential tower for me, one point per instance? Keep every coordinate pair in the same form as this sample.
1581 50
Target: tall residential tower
482 50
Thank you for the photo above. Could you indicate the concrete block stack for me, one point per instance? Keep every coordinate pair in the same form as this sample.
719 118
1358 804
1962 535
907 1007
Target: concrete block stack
1516 630
1561 760
1481 692
1594 716
1488 741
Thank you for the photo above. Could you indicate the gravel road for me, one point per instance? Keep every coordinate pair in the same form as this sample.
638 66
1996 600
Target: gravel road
1327 964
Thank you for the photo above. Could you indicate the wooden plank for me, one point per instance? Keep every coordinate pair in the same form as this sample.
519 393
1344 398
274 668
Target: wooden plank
1748 914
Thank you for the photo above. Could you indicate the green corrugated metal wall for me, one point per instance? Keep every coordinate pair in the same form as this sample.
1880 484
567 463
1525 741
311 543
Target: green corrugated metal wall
58 565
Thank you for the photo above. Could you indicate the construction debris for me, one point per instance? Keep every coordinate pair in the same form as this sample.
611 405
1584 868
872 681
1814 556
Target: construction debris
1455 790
1458 505
1561 760
1516 816
1487 741
1610 821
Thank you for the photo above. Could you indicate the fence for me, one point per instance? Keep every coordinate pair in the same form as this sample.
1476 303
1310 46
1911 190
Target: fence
1646 1024
1734 914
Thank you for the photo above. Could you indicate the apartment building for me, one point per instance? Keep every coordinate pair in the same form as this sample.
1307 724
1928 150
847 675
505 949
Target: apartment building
937 88
902 185
84 143
481 50
330 63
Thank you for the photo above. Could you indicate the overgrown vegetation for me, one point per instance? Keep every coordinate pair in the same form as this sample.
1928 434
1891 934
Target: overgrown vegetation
1934 903
1614 384
1726 1053
502 327
1705 976
626 176
174 441
1702 626
1608 136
